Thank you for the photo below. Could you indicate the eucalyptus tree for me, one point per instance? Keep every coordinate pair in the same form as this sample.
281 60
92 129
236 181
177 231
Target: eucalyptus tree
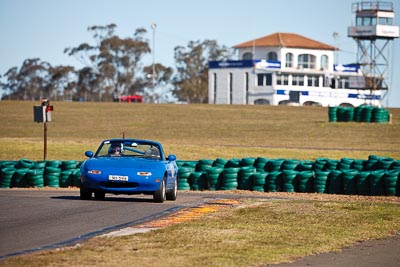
113 66
30 82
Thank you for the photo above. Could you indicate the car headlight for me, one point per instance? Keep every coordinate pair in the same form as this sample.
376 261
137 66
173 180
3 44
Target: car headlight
94 172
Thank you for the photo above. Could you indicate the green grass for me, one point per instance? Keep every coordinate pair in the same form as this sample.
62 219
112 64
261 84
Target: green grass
272 232
194 131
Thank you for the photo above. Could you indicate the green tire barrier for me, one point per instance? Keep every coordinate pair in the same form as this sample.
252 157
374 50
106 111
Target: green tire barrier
258 181
229 179
203 165
35 177
376 182
331 165
260 163
305 180
349 182
6 176
274 181
183 175
363 184
332 114
320 164
247 162
320 181
25 163
290 164
288 180
335 182
213 174
20 178
274 165
52 176
390 182
377 176
220 162
28 173
244 177
197 180
362 113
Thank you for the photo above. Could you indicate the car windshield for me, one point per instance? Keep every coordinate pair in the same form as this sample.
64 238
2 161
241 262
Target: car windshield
128 149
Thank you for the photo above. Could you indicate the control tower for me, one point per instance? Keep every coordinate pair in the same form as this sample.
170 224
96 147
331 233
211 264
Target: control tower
373 29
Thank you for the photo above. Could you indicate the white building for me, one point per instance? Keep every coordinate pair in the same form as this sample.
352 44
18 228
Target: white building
287 68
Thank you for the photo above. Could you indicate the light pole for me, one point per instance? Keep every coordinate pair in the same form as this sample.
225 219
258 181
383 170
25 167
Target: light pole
153 75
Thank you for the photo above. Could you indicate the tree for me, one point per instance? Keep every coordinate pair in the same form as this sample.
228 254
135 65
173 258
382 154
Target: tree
191 81
30 82
61 82
37 79
113 66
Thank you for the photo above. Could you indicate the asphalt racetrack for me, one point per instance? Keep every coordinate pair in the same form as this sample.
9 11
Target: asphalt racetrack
33 220
40 219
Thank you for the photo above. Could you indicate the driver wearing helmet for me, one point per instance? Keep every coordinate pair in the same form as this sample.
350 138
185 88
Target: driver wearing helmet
115 150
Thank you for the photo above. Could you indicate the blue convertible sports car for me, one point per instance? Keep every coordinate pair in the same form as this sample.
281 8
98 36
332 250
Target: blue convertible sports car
129 166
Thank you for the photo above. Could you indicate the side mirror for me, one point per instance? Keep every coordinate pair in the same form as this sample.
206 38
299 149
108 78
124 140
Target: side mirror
89 154
171 157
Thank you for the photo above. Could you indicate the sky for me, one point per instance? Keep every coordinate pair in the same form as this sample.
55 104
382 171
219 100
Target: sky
44 28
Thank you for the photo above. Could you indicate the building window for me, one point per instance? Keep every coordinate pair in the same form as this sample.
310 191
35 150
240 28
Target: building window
282 79
289 60
260 79
298 80
272 56
230 88
313 81
247 87
215 88
385 21
324 62
247 56
264 79
343 82
306 61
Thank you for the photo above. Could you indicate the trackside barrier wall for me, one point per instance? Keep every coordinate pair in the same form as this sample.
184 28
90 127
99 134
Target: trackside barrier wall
374 176
362 113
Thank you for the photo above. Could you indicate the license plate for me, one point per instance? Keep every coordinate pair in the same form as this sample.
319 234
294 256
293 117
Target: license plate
117 178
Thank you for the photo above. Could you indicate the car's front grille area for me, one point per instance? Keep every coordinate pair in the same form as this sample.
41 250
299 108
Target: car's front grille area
119 184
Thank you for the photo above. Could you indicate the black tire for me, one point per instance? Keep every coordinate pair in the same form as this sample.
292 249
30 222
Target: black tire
99 195
159 196
172 194
85 193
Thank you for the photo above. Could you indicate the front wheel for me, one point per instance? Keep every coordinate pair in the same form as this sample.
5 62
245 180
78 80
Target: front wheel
85 193
159 196
171 195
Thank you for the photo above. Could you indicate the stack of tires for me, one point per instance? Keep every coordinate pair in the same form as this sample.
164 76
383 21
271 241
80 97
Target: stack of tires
67 169
374 176
6 173
362 113
28 173
213 177
52 173
229 178
185 168
332 113
245 180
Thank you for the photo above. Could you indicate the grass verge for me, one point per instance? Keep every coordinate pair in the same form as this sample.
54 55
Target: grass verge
193 132
269 232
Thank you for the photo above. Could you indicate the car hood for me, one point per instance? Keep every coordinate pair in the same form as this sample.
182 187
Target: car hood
126 165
